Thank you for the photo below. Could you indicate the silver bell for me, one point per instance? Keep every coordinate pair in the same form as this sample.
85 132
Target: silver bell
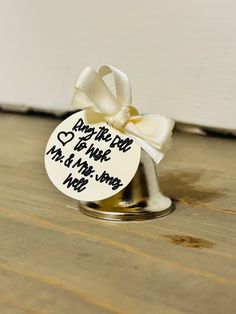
141 199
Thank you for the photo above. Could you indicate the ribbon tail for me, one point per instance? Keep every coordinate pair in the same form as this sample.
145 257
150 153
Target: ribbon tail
153 133
153 152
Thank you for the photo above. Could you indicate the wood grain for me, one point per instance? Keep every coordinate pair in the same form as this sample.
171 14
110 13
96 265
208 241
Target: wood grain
53 259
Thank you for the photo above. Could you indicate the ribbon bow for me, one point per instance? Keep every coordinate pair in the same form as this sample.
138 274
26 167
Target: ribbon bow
152 132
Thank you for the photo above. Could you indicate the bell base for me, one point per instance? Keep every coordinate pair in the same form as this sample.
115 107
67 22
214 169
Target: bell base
127 214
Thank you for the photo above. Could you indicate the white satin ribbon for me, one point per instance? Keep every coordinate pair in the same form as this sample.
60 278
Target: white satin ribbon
152 132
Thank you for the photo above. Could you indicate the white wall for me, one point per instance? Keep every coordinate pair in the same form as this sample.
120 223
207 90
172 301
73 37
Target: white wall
180 55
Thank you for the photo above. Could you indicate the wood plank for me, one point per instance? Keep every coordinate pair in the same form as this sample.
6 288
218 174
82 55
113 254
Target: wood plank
54 259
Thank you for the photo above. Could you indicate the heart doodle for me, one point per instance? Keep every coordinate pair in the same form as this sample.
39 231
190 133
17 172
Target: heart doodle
65 137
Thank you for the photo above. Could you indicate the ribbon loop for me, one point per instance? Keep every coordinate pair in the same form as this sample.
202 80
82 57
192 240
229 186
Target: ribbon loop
122 84
152 132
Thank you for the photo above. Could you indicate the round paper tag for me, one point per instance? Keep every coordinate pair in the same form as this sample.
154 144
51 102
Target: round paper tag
90 162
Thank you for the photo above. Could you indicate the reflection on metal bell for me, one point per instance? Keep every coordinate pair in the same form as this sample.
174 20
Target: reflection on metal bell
141 199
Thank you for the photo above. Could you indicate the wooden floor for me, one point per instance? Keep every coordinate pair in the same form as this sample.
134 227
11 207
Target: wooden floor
53 259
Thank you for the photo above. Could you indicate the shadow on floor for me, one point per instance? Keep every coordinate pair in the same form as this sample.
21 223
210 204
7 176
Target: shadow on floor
183 185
